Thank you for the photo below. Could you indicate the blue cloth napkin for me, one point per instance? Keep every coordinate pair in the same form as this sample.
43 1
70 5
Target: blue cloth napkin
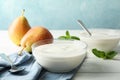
33 71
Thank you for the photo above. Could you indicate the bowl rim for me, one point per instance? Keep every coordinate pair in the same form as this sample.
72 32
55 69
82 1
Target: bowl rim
113 37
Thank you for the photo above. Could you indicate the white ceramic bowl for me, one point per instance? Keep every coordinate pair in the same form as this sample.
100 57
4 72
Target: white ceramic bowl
61 55
101 39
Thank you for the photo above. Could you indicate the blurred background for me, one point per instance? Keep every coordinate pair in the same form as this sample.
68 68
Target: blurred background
62 14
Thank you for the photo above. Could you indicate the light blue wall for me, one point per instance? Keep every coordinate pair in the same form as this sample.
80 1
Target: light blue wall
62 14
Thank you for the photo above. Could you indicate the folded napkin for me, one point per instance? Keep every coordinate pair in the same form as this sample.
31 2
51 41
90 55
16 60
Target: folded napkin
33 71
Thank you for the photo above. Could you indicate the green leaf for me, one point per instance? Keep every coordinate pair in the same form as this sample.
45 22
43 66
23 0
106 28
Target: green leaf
100 54
68 34
111 54
62 37
104 55
74 37
68 37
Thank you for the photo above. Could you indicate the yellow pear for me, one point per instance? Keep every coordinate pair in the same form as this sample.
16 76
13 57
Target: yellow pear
35 34
18 29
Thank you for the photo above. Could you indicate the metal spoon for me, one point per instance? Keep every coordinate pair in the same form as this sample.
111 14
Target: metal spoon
83 26
13 69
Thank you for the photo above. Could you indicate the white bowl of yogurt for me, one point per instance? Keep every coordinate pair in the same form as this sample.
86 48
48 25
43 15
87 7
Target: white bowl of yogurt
101 39
61 55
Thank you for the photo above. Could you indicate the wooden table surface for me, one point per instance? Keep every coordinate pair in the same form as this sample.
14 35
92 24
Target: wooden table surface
92 69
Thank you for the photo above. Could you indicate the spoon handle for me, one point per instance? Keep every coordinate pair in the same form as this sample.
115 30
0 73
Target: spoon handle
83 26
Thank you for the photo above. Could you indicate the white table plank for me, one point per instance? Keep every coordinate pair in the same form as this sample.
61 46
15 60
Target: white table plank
6 46
99 65
97 76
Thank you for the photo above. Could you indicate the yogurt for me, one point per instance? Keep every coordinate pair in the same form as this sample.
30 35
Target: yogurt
61 49
100 35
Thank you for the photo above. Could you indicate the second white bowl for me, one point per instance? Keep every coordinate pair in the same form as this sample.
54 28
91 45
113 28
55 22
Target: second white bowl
101 39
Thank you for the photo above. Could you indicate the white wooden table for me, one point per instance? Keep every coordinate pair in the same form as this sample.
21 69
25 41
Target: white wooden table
92 69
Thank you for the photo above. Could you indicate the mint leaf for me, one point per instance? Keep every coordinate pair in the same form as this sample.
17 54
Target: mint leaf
62 37
100 54
68 34
68 37
104 55
74 37
111 54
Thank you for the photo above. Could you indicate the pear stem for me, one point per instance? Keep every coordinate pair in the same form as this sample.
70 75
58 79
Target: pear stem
23 11
20 52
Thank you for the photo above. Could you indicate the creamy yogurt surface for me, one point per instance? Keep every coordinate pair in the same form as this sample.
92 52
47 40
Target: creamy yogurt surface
61 49
96 34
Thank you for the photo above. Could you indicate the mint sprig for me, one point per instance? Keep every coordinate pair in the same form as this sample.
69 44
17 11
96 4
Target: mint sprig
104 55
68 37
